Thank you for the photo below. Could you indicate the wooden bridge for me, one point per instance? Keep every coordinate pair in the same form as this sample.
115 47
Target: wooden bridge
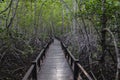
55 62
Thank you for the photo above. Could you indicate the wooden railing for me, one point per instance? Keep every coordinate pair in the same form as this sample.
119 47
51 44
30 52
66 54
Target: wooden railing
31 74
78 71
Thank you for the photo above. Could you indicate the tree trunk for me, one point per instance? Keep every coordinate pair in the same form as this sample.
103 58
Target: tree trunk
103 32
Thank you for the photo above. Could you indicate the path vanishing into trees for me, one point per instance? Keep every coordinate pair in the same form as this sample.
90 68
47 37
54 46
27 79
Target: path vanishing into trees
55 62
55 66
59 39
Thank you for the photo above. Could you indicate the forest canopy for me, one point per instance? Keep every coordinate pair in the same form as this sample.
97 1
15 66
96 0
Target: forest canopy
89 28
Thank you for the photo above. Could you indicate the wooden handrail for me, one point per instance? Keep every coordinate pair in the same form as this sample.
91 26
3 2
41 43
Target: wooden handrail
78 70
31 74
85 73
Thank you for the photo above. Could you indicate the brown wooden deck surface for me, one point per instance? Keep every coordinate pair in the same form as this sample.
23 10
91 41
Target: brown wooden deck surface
55 66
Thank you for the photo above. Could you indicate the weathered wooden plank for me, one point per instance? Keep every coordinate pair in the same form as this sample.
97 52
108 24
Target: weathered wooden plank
55 66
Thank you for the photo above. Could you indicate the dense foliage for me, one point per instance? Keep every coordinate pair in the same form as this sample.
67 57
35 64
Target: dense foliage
90 29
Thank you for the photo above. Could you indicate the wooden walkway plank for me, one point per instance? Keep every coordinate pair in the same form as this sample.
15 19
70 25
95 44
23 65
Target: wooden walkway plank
55 66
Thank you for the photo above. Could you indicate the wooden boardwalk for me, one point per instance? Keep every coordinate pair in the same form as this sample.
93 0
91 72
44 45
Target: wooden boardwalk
55 66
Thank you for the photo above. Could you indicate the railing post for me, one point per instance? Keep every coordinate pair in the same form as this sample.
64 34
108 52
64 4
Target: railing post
39 63
76 70
68 58
65 53
44 55
34 73
71 61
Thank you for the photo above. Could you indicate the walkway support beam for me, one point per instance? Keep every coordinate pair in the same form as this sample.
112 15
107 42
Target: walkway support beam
76 72
34 71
